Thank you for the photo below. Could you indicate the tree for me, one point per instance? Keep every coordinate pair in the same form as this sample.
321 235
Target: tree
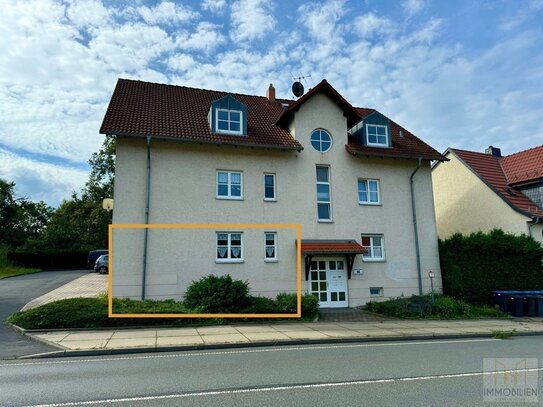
20 218
100 183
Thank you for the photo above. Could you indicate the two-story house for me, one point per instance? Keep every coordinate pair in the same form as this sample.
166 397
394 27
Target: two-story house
358 184
483 191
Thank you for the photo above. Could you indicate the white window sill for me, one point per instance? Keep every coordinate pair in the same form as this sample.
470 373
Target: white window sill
373 260
325 221
233 261
370 203
270 200
271 260
229 132
229 198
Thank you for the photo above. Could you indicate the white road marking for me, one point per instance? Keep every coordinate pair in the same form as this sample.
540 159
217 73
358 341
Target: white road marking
235 352
279 388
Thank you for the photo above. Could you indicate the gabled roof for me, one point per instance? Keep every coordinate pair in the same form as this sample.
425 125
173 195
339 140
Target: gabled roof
176 112
490 170
331 247
323 87
523 166
405 145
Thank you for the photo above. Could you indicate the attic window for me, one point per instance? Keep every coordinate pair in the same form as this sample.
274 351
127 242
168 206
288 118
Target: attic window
377 135
229 121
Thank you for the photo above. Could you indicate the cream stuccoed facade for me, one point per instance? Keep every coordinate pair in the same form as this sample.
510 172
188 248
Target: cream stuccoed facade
465 204
183 191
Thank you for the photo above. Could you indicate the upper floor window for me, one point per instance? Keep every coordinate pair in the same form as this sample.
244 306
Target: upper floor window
229 247
229 185
269 187
229 121
374 249
324 197
321 140
368 192
377 135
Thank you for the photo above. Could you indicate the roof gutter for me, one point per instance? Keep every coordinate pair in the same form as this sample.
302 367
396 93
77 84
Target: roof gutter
415 227
146 230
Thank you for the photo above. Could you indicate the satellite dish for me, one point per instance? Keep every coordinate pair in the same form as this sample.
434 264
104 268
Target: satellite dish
297 89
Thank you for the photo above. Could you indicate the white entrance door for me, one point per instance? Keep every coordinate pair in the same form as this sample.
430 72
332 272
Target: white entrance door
328 282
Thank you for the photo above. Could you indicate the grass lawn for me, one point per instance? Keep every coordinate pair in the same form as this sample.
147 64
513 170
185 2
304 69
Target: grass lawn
11 271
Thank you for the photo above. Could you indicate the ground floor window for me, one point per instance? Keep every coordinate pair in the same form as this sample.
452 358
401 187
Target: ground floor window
229 247
374 249
270 249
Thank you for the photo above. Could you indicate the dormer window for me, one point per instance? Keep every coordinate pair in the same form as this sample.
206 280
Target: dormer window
377 135
229 121
228 115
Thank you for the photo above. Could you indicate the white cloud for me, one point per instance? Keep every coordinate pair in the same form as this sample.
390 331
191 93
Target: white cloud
251 20
39 181
205 38
87 13
215 6
167 12
412 7
370 25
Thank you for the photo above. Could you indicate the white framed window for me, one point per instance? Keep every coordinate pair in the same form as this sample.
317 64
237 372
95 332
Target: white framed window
374 249
229 247
270 246
377 135
269 187
376 291
229 185
321 140
324 196
368 192
229 121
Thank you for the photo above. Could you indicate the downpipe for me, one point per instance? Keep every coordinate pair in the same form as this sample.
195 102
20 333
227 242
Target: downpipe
146 230
415 227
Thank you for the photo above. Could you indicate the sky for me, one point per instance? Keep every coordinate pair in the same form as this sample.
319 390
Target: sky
464 74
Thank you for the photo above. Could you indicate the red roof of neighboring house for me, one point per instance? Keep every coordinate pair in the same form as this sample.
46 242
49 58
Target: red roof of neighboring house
150 109
524 166
167 111
490 170
331 247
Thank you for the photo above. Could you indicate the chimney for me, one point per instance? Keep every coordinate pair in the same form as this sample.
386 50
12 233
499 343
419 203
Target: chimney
270 93
495 151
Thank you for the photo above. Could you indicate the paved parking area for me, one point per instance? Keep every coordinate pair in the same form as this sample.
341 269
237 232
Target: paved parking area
279 332
89 285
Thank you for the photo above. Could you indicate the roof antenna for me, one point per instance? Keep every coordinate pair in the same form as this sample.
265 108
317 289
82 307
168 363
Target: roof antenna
297 87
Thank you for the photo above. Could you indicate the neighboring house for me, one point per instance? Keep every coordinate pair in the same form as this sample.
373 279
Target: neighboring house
483 191
195 156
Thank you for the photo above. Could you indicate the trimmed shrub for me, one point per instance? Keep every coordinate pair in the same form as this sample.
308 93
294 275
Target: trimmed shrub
45 260
475 265
287 303
218 295
260 305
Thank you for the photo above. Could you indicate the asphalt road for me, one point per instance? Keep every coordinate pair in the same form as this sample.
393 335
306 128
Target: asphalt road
416 373
15 292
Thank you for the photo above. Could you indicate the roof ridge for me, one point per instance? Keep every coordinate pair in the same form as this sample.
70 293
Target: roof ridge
524 151
204 89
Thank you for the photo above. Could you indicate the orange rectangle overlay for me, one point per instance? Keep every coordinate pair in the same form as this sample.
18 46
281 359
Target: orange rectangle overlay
217 226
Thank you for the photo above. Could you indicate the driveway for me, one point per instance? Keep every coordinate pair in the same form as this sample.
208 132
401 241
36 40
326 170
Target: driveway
15 292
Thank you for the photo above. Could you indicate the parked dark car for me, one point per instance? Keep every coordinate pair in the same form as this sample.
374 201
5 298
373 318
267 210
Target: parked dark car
93 256
102 264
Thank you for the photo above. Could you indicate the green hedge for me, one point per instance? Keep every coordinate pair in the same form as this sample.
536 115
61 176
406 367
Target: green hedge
475 265
45 260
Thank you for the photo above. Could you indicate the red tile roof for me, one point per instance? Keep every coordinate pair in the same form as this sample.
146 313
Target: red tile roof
331 247
405 145
166 111
490 170
524 166
150 109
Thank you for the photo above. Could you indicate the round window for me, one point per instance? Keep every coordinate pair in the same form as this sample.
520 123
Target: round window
321 140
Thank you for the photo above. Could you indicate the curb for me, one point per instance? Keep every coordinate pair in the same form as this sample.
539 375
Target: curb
295 342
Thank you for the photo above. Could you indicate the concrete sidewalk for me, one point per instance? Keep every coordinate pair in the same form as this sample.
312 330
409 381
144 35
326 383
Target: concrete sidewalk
90 285
164 338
